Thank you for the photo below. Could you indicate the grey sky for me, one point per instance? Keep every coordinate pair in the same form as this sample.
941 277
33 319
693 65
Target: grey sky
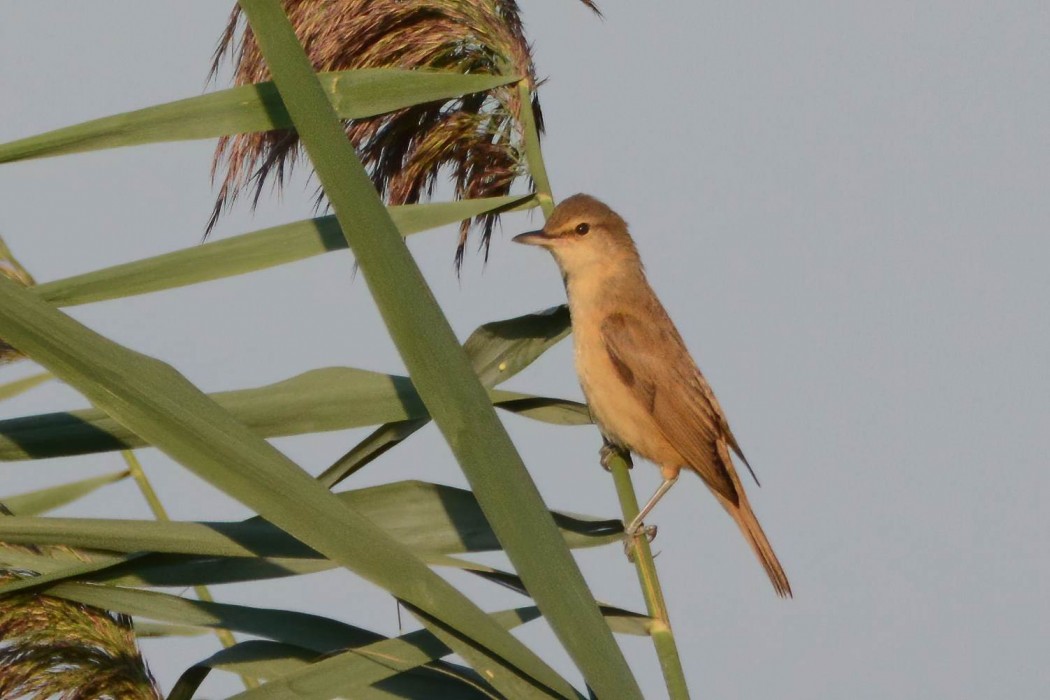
844 207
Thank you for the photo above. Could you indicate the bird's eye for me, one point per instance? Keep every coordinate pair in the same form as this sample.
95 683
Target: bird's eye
582 229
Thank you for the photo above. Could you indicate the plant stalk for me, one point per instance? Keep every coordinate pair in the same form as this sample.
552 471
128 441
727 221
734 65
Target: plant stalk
663 636
225 636
533 154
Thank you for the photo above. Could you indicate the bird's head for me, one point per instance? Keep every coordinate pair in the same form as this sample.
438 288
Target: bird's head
582 231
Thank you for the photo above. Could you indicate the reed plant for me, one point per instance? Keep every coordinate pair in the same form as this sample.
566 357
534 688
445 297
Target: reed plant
383 99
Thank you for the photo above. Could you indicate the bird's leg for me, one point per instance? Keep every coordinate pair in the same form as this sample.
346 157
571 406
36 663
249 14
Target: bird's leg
609 450
636 527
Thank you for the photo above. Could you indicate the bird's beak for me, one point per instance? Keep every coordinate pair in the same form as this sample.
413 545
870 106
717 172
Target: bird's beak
533 238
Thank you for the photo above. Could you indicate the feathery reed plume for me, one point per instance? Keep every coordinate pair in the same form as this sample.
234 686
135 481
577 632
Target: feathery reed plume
54 648
475 139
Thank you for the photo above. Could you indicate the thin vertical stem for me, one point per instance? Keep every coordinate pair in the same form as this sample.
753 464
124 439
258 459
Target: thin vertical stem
226 637
663 637
533 154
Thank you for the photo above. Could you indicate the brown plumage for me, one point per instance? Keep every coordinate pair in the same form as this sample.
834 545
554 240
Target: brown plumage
644 390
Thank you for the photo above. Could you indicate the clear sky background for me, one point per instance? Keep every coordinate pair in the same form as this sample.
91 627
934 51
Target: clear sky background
844 207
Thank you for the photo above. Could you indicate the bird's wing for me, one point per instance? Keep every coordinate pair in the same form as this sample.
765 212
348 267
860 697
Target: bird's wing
654 363
724 424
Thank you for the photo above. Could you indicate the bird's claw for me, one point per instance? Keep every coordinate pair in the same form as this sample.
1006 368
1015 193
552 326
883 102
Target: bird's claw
608 452
649 532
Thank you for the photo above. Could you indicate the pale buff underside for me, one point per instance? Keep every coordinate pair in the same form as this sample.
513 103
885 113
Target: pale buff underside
617 411
614 407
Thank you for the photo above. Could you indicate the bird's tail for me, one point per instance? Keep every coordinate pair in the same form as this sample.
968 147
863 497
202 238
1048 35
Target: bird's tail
745 518
748 523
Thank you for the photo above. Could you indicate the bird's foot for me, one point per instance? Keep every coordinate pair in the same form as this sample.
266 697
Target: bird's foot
640 530
608 452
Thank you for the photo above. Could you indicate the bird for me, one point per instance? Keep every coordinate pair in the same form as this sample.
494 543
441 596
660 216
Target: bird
644 390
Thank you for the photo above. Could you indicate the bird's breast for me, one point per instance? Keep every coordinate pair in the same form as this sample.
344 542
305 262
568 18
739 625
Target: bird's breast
616 407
